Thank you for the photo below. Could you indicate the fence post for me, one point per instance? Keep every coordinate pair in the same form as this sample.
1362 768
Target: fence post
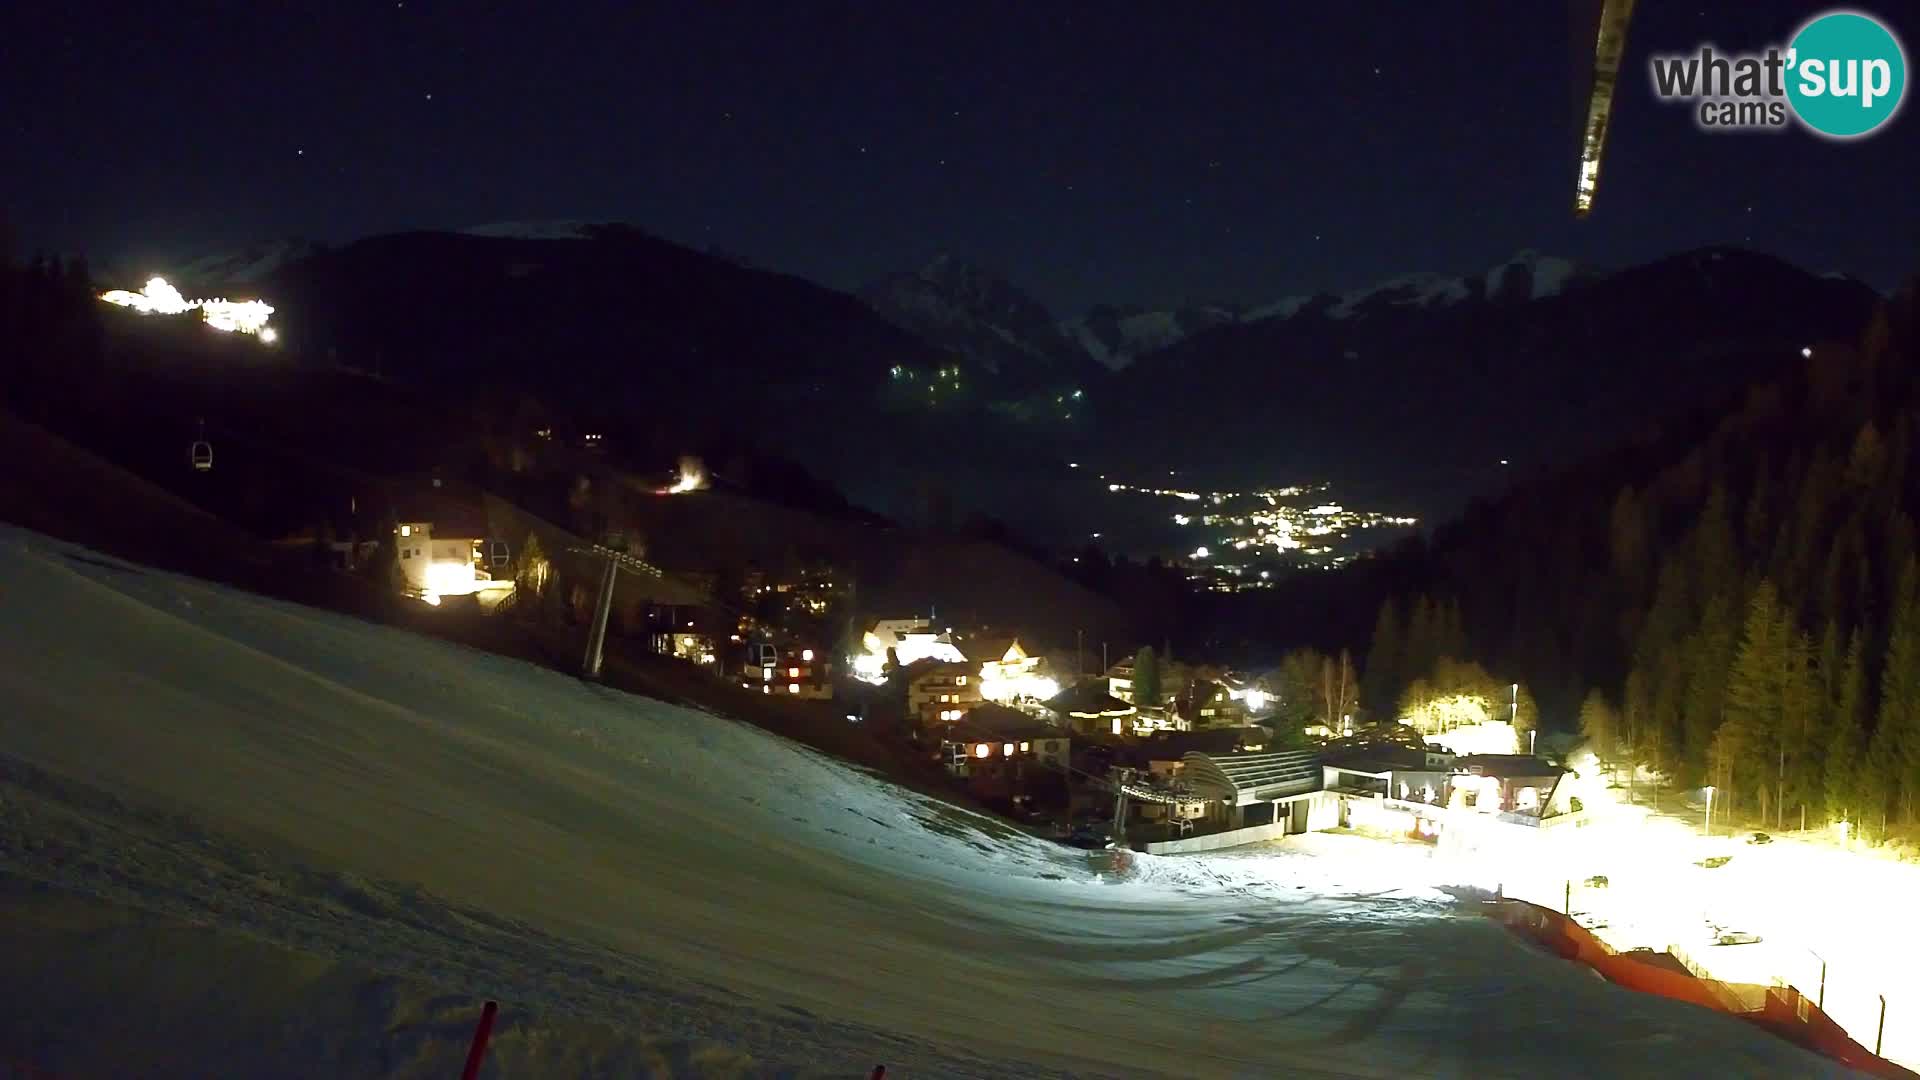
481 1034
1882 1029
1566 906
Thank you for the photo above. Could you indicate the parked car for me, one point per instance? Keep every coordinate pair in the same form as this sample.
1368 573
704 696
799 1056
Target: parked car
1597 881
1737 937
1759 838
1714 862
1590 920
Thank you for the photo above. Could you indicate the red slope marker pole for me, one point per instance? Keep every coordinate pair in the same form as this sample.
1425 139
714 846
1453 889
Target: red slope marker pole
481 1034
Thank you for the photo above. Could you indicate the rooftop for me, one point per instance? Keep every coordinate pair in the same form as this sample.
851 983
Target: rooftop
991 721
1089 697
1506 765
921 669
1173 746
1250 778
451 516
986 648
1375 758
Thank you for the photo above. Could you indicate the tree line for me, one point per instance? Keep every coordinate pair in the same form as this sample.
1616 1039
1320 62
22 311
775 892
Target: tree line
1732 599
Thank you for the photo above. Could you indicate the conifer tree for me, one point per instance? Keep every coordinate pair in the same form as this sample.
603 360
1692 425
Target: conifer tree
1847 741
1380 685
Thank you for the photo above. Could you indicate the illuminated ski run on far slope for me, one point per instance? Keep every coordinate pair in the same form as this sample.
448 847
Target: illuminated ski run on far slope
160 297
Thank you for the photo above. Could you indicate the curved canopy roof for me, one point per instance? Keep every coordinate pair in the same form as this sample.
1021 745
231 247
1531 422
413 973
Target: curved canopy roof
1242 779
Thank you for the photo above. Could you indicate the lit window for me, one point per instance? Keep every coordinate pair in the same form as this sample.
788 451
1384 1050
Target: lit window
961 681
983 750
806 655
793 673
1006 750
1024 747
766 674
766 689
406 530
793 688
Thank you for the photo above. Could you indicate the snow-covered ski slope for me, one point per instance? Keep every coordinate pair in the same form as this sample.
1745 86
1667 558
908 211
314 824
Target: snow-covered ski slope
707 892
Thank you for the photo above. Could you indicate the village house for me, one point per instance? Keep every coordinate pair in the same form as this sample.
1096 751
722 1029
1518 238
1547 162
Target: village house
1389 771
1255 695
1120 681
1005 754
891 643
1009 674
1086 708
690 633
1205 704
940 692
442 549
797 671
1509 783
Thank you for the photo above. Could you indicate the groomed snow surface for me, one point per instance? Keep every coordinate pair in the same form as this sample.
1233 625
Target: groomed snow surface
242 838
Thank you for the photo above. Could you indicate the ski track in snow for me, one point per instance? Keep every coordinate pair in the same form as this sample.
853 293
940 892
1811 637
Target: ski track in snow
493 829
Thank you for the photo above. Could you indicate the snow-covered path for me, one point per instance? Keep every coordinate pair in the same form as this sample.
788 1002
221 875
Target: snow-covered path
492 829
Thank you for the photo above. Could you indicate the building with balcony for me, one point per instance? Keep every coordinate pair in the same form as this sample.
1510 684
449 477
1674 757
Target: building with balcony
940 693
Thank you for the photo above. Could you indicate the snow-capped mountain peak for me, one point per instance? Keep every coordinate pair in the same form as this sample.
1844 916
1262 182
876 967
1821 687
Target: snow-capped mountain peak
1284 308
971 311
1117 336
247 266
1545 275
1421 290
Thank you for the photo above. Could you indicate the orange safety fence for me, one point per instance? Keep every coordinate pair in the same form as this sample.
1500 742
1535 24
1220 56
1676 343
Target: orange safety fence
1784 1011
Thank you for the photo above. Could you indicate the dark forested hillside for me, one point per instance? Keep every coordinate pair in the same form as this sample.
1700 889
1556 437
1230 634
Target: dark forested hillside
1732 599
1432 395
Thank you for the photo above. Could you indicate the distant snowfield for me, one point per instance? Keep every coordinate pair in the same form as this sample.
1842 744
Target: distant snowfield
651 890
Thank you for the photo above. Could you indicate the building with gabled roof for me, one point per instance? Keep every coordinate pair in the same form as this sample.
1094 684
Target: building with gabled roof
940 692
1087 708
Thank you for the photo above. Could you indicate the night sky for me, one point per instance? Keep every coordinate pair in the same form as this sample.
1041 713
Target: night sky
1102 152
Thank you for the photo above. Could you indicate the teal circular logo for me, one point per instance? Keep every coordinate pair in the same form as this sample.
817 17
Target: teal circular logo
1846 74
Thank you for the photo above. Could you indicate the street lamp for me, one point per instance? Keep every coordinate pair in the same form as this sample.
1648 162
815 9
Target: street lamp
1709 809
